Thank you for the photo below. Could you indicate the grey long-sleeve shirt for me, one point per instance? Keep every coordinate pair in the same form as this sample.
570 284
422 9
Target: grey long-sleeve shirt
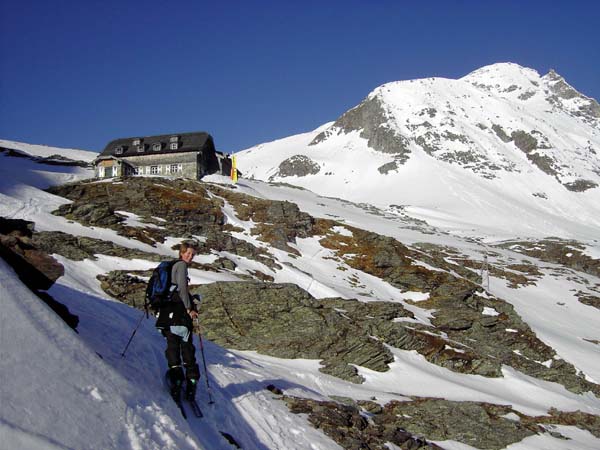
179 277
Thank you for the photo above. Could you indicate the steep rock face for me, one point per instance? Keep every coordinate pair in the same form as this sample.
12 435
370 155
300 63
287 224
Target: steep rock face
584 107
372 120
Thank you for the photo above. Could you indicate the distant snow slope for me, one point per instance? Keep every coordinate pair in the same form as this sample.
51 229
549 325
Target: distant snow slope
471 155
45 151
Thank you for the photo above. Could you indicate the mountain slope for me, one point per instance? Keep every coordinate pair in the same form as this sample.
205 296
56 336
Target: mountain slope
327 325
457 153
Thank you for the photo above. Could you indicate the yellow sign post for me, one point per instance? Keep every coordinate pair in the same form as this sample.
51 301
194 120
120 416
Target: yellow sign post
233 169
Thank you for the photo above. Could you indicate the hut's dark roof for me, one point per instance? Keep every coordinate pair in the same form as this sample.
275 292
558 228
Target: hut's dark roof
187 142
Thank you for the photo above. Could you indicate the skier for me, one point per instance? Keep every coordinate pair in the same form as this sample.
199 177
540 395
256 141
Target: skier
175 321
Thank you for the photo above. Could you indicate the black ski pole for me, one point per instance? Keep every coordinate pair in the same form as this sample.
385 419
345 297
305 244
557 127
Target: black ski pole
132 335
210 400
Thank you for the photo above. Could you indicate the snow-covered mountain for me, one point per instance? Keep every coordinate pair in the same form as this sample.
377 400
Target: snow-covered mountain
512 363
473 153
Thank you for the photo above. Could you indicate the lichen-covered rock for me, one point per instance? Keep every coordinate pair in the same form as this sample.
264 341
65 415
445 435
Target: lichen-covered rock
412 424
480 425
350 429
285 321
560 251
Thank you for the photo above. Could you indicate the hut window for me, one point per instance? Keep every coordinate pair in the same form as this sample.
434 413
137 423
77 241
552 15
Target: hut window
175 168
140 148
137 141
174 146
154 170
119 150
174 139
156 146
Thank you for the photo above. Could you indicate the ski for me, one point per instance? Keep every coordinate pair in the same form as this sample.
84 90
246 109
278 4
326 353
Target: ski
195 408
180 406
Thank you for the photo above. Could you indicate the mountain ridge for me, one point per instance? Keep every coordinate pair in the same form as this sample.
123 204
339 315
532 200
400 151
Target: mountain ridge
425 144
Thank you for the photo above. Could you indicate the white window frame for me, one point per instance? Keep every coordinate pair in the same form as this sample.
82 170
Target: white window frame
119 150
154 170
140 148
137 142
174 145
115 171
175 168
100 171
156 146
174 139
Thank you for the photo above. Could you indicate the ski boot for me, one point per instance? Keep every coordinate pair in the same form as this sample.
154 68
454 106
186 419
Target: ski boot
190 396
175 382
190 389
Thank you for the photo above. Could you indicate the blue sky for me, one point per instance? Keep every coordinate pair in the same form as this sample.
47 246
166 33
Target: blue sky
81 73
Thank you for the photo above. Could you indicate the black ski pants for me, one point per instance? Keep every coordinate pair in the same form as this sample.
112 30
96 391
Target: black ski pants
178 349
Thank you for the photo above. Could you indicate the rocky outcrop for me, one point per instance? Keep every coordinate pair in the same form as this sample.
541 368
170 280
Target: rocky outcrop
192 209
559 251
414 423
348 426
473 333
580 185
79 248
587 108
189 207
52 160
275 222
34 266
482 332
297 166
282 321
371 119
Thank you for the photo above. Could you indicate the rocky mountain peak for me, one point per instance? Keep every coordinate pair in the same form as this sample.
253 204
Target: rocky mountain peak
564 96
500 119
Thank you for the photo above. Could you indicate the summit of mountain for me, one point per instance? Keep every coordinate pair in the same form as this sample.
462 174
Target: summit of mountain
500 140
